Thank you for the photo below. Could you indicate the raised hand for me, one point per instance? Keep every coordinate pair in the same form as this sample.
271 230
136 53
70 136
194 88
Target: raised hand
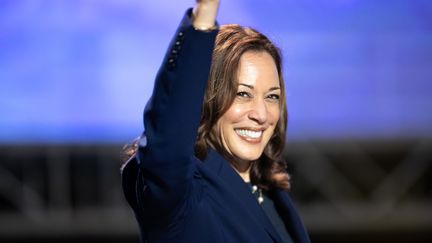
204 14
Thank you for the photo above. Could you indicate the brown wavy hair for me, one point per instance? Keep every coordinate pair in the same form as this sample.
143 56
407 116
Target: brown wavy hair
232 42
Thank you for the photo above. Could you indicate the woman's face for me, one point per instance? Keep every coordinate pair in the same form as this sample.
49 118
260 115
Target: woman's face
249 123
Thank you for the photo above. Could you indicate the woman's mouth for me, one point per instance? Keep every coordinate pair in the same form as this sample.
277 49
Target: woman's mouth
253 136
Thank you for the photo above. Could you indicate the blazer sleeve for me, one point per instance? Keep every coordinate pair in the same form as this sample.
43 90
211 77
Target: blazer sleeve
171 119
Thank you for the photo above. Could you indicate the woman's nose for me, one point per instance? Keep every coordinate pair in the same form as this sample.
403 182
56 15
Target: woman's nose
258 111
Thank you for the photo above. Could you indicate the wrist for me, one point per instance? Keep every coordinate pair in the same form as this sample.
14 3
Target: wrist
204 16
205 29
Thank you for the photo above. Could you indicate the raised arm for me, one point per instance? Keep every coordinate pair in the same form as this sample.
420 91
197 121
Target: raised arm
175 106
172 115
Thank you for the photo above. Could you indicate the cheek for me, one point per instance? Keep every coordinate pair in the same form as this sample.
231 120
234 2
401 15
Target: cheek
234 114
274 114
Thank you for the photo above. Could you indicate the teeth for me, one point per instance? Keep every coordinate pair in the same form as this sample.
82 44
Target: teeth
248 133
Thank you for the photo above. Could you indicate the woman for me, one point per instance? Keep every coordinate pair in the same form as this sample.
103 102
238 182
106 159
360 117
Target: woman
208 167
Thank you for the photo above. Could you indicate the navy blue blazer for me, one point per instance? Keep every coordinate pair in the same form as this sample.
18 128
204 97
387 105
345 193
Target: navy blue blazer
175 196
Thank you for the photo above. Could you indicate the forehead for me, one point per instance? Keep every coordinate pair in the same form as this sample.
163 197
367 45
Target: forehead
258 68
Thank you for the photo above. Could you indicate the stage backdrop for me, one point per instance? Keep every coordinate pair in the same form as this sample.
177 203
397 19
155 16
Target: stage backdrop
82 71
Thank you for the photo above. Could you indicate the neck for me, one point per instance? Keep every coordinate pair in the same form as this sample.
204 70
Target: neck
243 169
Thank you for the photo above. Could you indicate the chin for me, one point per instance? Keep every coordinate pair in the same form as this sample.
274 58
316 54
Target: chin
248 155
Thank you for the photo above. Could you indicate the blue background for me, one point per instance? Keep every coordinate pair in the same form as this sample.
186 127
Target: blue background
79 71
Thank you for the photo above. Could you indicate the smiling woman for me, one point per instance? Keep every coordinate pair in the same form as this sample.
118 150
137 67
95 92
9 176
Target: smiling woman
208 167
244 111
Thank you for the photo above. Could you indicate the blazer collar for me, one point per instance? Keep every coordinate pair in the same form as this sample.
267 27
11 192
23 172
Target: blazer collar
228 175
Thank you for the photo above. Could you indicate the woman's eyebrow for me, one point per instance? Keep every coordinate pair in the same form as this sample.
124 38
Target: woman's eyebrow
252 87
274 88
247 85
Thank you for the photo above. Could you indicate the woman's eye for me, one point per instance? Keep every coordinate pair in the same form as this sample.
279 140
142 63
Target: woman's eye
274 97
243 94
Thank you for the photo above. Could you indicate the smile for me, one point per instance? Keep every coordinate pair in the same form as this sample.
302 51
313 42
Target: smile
245 133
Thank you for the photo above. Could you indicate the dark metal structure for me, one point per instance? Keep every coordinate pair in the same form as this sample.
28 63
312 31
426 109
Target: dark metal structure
347 191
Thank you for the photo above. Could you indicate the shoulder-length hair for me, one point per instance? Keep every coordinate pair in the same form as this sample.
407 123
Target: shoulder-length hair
232 42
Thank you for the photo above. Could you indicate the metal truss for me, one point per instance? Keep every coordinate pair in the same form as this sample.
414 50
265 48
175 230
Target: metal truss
62 190
338 186
363 186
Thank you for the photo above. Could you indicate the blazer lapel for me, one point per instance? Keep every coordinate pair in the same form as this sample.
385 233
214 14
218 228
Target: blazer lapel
220 166
290 216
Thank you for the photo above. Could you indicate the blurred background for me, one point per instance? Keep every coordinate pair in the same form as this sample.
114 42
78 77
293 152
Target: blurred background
75 76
